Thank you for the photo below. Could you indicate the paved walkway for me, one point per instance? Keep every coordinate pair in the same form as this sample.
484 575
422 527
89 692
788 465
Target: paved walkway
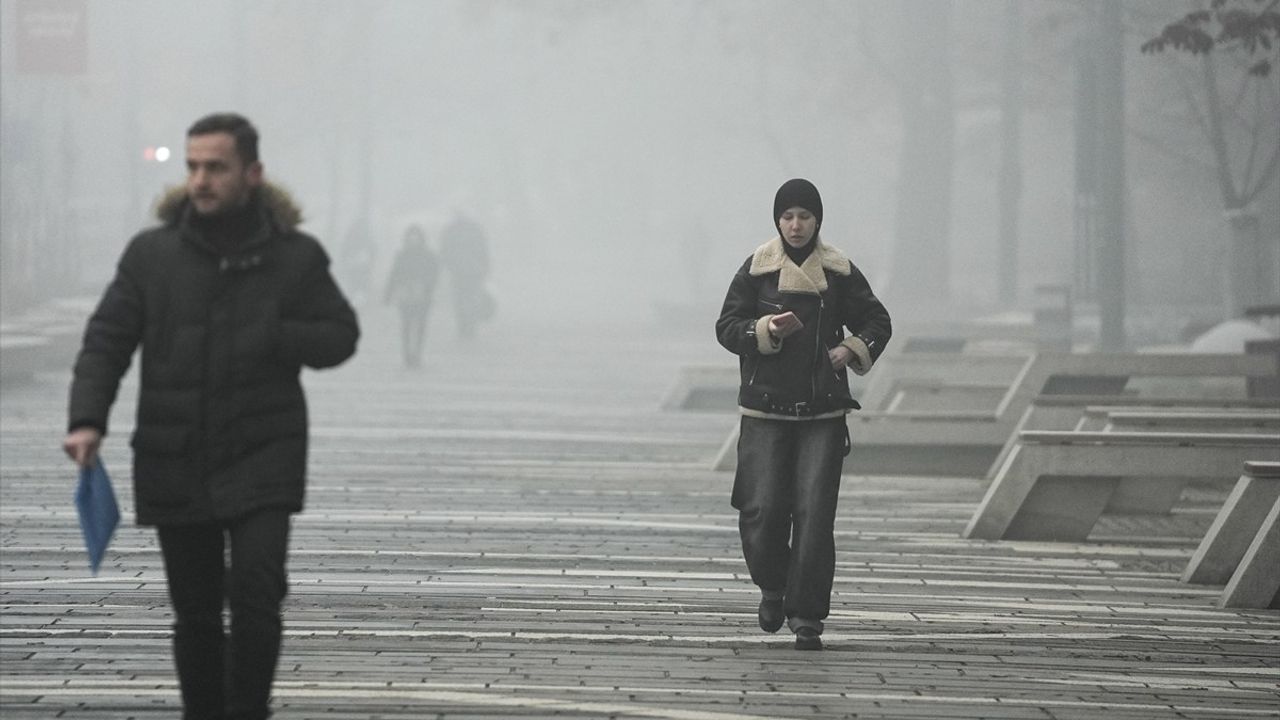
518 530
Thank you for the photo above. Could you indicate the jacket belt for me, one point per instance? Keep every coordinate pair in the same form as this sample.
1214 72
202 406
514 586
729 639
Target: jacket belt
800 409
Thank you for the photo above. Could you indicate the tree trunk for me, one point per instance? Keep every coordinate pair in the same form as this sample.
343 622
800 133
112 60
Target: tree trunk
1085 213
1010 180
1248 267
1111 177
921 259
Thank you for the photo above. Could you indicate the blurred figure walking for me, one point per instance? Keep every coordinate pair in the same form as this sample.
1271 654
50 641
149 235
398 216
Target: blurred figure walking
410 286
464 251
228 301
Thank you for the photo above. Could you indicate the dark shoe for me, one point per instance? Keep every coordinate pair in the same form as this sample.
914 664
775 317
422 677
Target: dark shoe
808 639
771 615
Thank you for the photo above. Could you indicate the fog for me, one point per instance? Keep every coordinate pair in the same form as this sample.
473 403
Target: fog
622 157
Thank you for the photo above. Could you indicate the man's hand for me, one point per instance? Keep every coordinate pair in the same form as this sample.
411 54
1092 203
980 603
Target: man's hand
784 324
82 445
840 356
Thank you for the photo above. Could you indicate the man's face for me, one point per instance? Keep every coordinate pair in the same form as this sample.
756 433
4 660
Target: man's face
218 181
797 226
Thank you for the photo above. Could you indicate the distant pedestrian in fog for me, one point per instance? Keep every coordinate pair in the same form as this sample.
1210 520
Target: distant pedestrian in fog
464 252
411 285
228 301
784 316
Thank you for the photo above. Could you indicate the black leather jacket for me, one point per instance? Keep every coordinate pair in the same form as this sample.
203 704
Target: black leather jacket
828 294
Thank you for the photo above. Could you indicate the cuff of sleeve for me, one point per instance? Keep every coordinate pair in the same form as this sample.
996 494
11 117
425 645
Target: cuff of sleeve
861 362
764 341
83 423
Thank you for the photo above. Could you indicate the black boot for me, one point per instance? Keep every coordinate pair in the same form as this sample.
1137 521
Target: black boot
771 614
808 638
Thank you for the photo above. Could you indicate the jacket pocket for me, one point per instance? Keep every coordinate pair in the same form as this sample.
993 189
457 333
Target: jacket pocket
764 374
162 473
769 306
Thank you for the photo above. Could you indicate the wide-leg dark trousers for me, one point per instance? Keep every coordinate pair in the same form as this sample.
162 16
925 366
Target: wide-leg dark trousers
216 683
785 491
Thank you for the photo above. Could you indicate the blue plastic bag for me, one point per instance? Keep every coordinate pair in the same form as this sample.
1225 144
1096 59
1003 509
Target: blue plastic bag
99 514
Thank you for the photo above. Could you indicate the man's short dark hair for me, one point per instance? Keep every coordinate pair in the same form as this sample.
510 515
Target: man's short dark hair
237 126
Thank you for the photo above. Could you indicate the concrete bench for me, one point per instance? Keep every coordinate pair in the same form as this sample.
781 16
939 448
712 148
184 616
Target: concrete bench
712 388
931 395
894 373
704 387
934 344
968 444
1177 419
1159 495
888 445
977 340
1055 484
1064 412
929 390
914 364
954 428
1242 547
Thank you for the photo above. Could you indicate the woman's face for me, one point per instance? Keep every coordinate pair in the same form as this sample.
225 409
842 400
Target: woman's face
797 226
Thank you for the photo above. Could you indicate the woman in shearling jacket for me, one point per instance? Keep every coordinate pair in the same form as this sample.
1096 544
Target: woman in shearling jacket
784 316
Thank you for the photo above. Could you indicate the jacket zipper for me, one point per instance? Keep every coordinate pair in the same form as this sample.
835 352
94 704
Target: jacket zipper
813 378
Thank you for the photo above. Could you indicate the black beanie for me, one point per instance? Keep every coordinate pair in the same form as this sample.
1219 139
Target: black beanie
797 192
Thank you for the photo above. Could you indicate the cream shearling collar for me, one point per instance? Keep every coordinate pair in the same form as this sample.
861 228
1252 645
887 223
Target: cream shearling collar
805 278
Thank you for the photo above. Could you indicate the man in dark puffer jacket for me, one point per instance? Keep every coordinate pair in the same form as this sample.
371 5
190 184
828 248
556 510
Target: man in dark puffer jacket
228 301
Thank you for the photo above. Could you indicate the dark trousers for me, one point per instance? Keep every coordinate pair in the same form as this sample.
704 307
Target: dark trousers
785 490
217 681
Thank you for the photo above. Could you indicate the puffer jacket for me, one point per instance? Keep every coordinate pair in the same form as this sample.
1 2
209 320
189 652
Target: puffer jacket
793 378
221 426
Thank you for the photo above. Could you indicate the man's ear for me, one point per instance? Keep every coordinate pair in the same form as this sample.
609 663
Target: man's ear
253 173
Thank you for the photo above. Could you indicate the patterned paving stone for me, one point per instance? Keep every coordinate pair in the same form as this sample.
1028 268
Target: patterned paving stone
539 538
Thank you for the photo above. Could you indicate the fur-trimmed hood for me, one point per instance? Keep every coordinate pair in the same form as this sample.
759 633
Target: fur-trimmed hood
276 201
808 277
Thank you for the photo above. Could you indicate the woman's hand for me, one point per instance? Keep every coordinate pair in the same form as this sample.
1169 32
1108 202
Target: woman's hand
784 324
